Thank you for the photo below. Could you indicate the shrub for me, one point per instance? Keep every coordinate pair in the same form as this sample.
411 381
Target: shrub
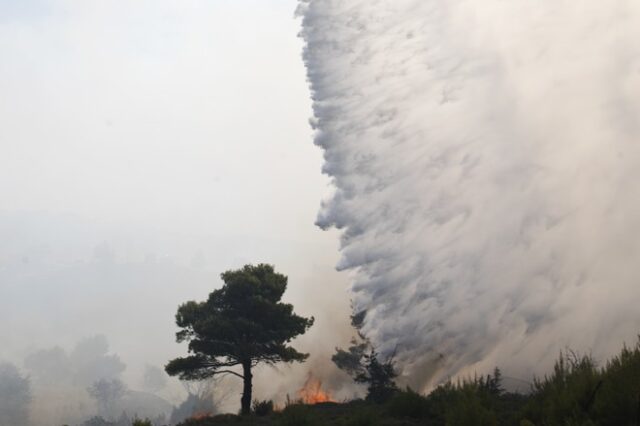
617 401
468 409
297 415
138 422
363 417
262 408
567 395
408 404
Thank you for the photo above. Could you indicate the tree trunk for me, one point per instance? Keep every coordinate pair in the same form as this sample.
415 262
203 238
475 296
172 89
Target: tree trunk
246 390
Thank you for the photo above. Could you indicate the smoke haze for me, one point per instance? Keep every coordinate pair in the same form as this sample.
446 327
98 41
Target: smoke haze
482 158
144 149
485 161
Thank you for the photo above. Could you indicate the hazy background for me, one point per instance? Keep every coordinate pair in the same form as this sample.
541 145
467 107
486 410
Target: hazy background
483 160
145 147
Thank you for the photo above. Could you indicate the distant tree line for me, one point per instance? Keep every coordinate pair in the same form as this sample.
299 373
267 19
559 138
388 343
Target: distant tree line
15 396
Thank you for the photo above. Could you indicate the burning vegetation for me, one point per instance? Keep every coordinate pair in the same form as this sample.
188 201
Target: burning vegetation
576 392
201 416
312 392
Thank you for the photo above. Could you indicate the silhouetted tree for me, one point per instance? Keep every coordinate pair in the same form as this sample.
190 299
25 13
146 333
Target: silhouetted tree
153 379
201 399
494 383
15 396
107 393
92 362
243 323
362 362
89 362
49 366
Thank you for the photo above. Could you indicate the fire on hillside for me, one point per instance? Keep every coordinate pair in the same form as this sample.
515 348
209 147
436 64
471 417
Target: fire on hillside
312 392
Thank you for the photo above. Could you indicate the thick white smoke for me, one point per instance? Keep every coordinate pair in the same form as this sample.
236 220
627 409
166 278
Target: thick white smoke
486 160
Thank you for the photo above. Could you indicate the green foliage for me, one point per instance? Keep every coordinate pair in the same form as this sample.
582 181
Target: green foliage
298 415
351 360
476 401
362 362
243 323
467 402
567 395
244 320
262 408
408 404
579 392
576 393
618 399
363 417
378 376
470 405
138 422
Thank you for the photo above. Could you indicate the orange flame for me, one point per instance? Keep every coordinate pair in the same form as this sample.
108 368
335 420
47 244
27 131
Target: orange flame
312 392
201 416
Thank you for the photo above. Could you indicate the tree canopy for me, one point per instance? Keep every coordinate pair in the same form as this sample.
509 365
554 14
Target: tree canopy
15 396
243 323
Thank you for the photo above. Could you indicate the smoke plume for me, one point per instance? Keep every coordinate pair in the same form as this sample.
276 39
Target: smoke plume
485 161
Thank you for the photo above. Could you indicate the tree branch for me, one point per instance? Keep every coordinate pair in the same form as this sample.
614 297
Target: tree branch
230 372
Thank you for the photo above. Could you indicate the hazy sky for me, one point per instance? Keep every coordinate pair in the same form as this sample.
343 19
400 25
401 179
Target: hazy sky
190 115
484 159
171 138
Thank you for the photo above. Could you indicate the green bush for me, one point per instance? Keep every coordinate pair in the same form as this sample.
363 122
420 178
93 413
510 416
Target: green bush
138 422
468 409
476 401
617 401
364 417
408 404
297 415
567 395
578 392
